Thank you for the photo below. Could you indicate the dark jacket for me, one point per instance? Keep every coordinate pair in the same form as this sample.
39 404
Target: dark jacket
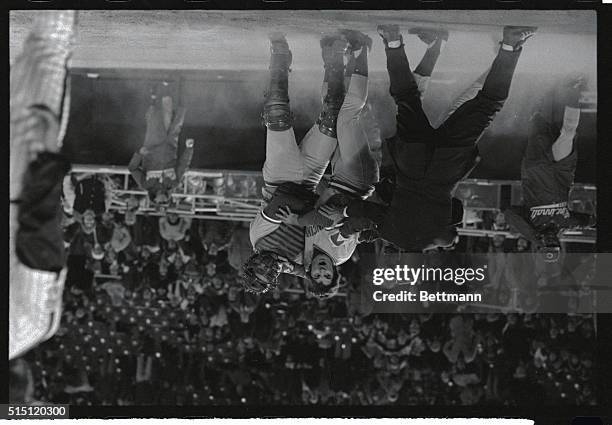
162 155
90 194
421 208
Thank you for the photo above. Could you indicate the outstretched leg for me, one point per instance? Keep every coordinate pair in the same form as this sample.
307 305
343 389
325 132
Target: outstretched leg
412 123
467 123
283 159
435 40
320 142
354 167
470 92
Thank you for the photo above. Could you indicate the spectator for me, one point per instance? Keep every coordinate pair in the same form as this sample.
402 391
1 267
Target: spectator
174 228
156 167
90 194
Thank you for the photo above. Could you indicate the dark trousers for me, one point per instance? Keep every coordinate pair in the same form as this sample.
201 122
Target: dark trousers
467 123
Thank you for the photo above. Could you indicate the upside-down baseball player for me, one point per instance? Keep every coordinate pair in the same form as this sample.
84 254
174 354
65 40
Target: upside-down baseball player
355 172
547 171
427 161
286 247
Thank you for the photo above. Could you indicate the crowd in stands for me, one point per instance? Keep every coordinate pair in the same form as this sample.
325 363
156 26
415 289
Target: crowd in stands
154 314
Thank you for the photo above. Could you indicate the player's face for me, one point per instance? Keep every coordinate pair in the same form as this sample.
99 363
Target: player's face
322 269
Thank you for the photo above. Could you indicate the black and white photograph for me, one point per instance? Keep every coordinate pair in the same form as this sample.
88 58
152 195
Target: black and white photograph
309 208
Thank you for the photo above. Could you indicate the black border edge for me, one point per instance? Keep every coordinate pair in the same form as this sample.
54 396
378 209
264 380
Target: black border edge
541 414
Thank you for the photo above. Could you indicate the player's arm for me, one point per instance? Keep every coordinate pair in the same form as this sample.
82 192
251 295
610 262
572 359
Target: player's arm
260 227
310 218
185 160
134 167
336 210
568 97
177 123
564 145
293 269
372 211
517 223
367 235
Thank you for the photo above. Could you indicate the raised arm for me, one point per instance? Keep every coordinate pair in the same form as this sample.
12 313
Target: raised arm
185 160
519 224
365 209
136 170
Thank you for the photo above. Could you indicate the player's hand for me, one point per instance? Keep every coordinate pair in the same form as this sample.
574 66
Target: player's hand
143 151
189 143
286 216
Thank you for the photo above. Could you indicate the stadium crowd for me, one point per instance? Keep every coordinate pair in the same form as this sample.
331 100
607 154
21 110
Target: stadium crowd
154 314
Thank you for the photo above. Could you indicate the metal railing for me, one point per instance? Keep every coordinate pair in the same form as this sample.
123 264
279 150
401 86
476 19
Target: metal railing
235 195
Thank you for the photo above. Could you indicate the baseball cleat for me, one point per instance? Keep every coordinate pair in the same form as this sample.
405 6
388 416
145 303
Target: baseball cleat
390 33
333 46
516 36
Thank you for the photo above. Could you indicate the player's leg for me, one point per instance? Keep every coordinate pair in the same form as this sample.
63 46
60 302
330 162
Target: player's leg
320 142
283 158
412 123
435 39
466 124
471 91
354 167
466 95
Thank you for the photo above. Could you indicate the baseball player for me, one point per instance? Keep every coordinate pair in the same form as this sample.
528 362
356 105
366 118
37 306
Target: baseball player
291 172
155 166
547 171
354 174
362 168
427 161
331 239
39 105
